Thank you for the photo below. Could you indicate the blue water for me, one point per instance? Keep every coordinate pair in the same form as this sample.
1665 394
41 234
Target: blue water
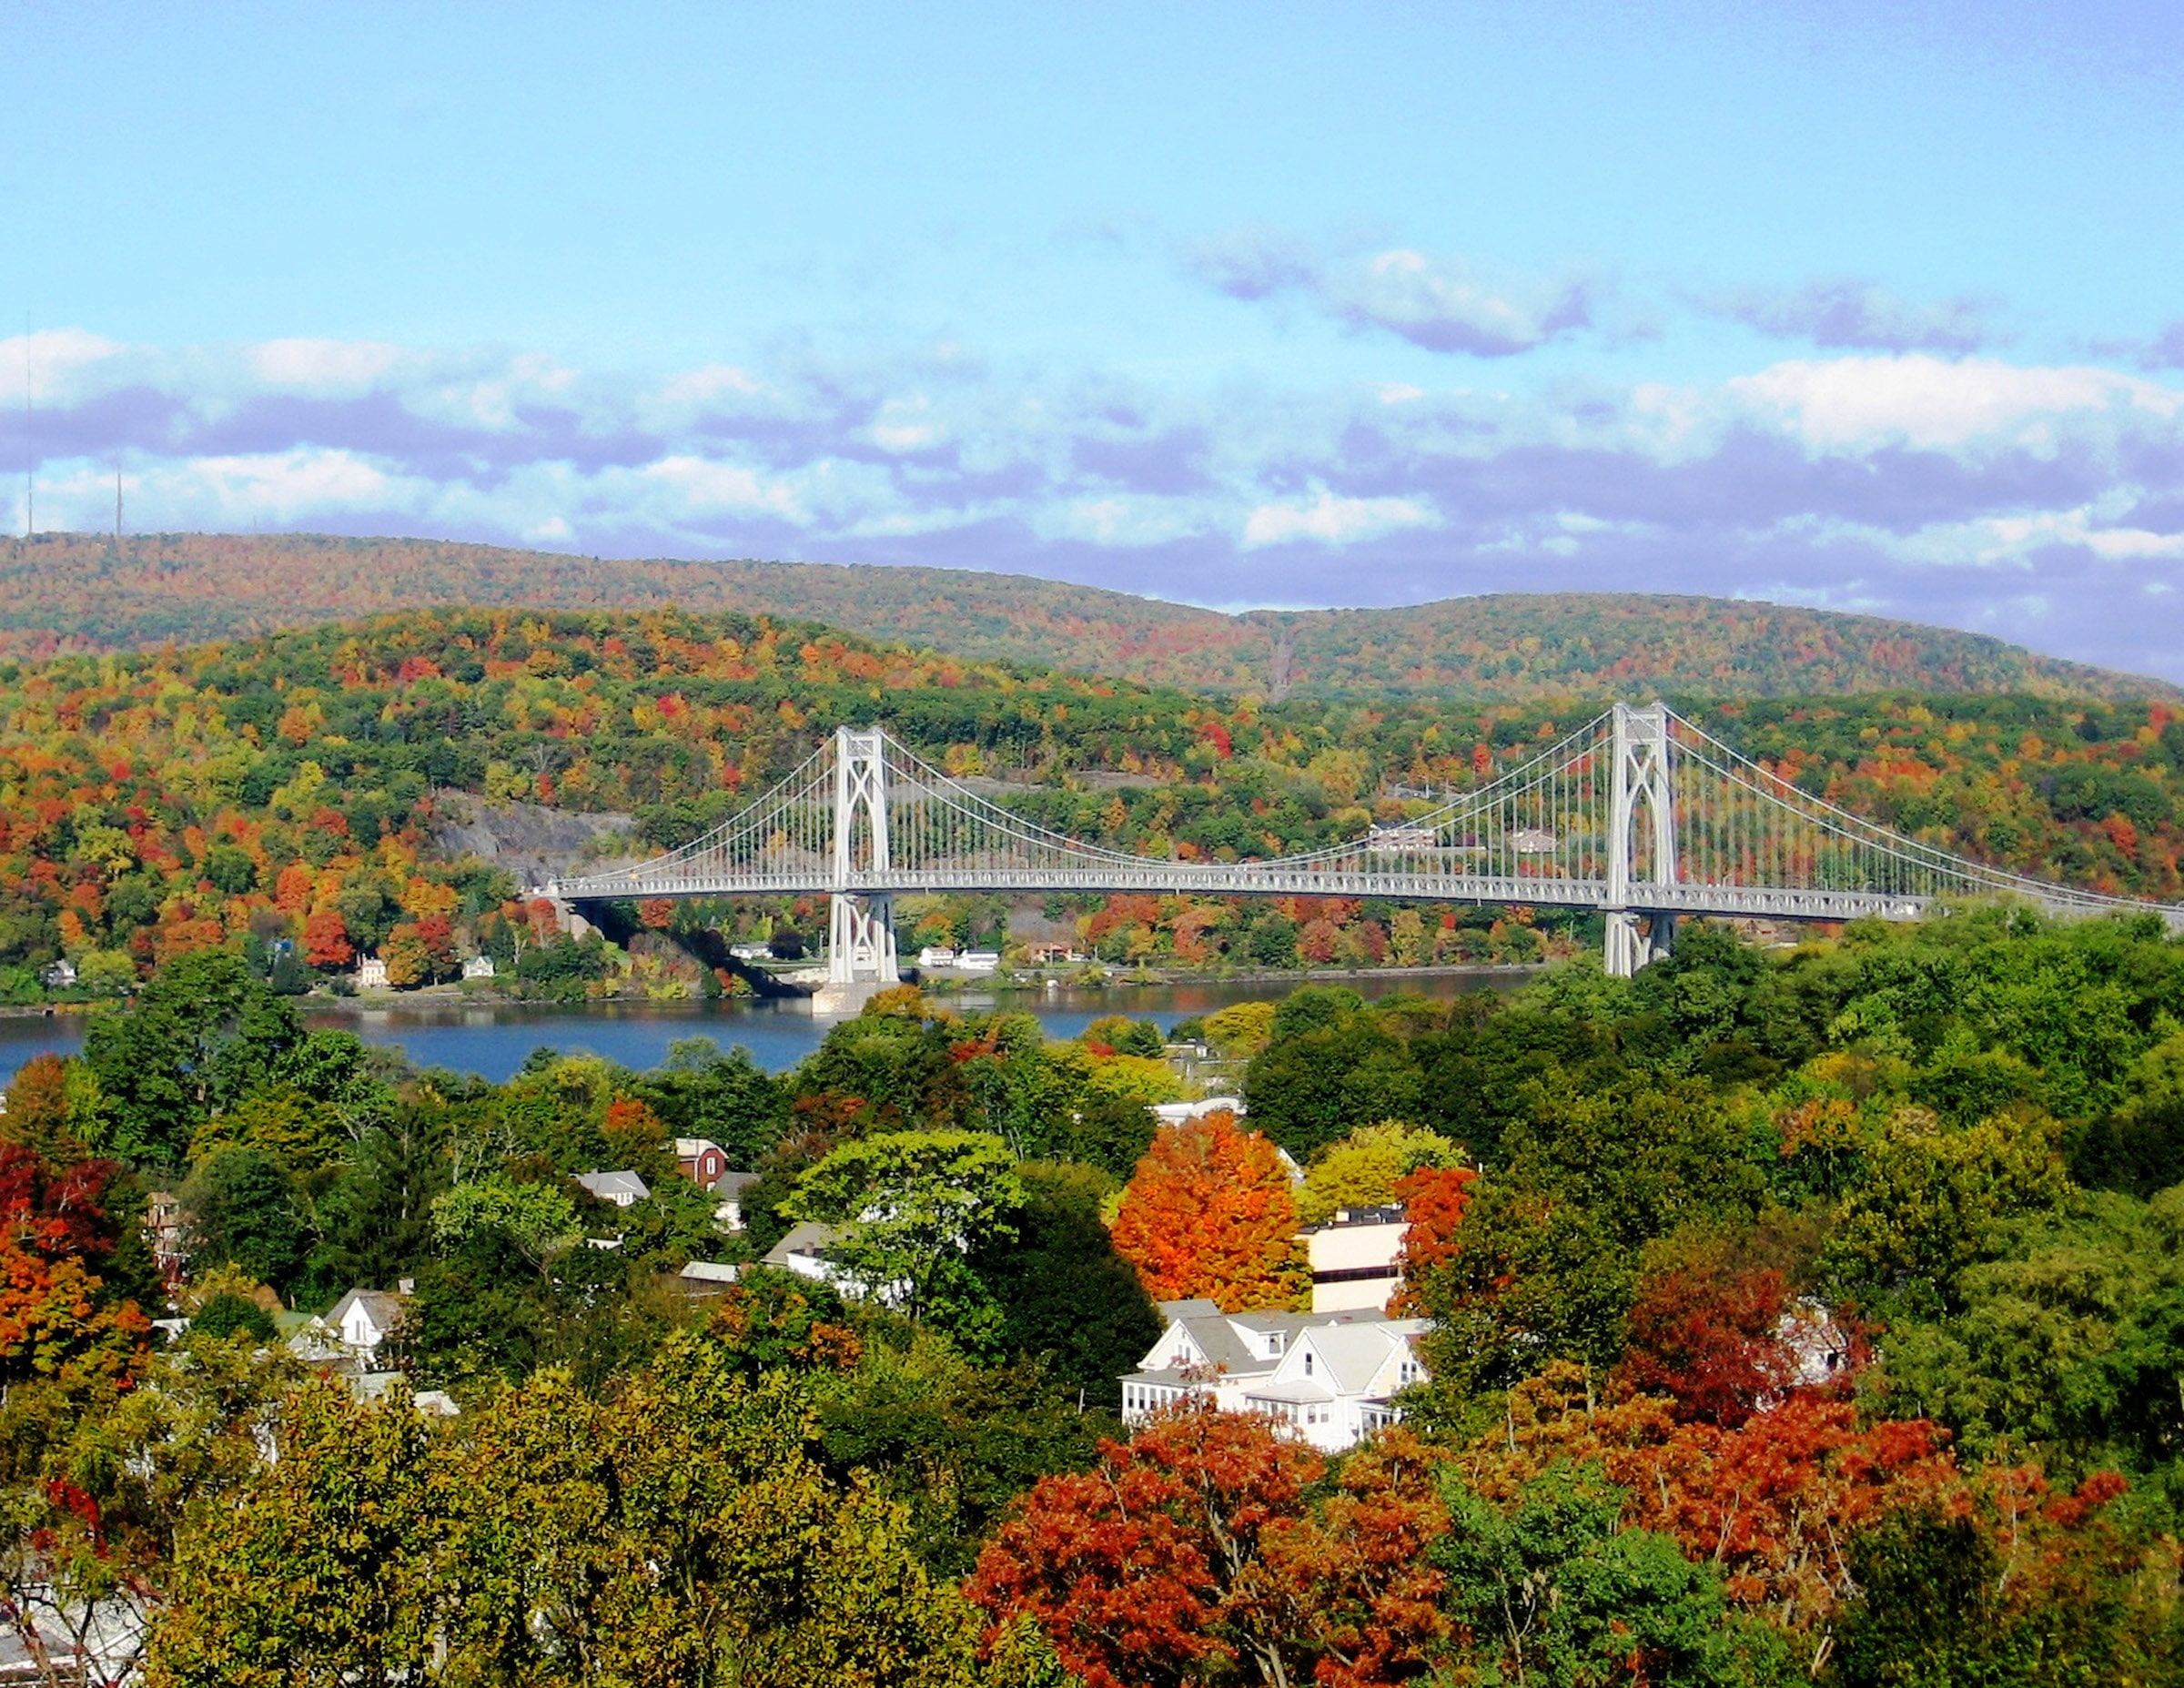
493 1040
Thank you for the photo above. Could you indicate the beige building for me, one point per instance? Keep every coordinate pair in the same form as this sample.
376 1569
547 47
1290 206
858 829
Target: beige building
1355 1258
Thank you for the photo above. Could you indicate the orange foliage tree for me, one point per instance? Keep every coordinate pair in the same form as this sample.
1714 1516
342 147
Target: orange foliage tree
1209 1212
1706 1334
325 940
54 1319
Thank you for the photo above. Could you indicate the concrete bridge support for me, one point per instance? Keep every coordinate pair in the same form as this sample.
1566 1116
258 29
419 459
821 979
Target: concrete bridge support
1641 792
861 958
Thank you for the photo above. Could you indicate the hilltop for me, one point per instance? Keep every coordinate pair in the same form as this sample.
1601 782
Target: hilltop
65 592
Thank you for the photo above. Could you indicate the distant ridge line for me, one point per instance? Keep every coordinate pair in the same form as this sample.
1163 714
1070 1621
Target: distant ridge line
82 591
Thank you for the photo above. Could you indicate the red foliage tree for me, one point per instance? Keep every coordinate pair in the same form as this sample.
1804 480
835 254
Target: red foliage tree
1433 1200
1705 1335
1198 1550
1209 1212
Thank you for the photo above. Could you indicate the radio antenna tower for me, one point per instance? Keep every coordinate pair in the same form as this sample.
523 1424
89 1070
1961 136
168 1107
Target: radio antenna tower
117 507
30 458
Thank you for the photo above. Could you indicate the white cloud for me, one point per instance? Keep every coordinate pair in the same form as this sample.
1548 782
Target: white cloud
1122 519
903 425
1333 521
55 362
1851 404
704 484
330 368
289 484
2013 538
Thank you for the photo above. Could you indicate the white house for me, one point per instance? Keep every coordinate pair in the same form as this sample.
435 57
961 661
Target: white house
1328 1379
478 967
1355 1258
624 1190
804 1252
1176 1113
371 973
361 1322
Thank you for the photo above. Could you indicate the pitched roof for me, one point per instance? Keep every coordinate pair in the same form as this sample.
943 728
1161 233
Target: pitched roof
609 1185
382 1306
808 1239
1353 1354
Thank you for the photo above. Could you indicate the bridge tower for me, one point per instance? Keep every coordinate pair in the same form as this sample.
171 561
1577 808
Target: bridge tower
860 955
1642 748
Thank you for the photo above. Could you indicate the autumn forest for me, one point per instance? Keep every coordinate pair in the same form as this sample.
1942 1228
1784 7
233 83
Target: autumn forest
1809 1307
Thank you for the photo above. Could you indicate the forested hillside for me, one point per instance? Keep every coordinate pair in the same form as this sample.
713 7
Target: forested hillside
290 786
62 591
1786 1318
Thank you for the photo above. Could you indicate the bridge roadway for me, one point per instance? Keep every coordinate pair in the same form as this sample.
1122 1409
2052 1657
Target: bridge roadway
1245 880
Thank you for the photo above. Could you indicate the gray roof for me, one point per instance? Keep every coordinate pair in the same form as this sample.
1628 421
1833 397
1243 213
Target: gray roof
383 1306
1348 1338
710 1272
733 1183
606 1185
1353 1353
1217 1340
809 1239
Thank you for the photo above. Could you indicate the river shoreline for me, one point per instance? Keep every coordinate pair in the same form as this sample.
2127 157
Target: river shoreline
492 1036
940 986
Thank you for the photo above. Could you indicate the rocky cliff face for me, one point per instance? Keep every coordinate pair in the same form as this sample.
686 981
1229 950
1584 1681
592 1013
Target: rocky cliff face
533 842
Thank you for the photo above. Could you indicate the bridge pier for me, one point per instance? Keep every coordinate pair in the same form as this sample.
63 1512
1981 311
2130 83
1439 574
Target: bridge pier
1630 948
861 958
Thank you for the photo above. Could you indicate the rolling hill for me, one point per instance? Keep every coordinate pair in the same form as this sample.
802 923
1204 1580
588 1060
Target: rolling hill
73 591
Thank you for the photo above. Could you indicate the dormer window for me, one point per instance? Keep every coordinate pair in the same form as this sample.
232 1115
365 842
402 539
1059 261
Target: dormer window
1273 1345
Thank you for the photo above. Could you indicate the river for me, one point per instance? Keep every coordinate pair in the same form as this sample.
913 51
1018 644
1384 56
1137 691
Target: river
492 1039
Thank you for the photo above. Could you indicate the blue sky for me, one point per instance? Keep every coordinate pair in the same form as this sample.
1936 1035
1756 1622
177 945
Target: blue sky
1868 306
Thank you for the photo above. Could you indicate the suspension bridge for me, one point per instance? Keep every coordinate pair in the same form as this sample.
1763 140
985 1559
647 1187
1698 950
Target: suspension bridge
1638 814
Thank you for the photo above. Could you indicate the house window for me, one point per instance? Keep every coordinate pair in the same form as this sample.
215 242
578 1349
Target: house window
1307 1362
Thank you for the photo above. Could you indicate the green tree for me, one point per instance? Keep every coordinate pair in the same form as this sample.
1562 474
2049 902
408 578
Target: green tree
245 1209
1930 1198
912 1207
198 1039
1361 1169
1552 1590
324 1573
540 1220
1066 1297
